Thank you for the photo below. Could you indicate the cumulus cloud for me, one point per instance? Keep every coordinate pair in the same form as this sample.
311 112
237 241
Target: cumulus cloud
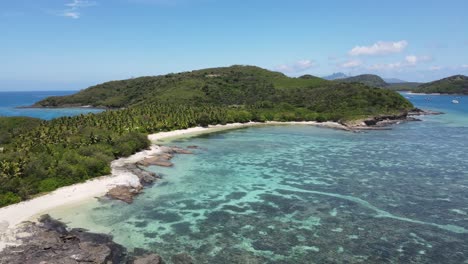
350 64
296 67
413 59
379 48
73 8
409 61
465 66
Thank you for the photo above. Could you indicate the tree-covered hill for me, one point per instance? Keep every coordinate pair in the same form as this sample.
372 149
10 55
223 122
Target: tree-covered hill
229 85
367 79
40 156
406 86
457 84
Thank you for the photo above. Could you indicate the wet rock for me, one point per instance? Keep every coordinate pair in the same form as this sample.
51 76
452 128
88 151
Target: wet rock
182 258
181 151
123 193
149 259
192 147
160 160
146 177
417 112
48 241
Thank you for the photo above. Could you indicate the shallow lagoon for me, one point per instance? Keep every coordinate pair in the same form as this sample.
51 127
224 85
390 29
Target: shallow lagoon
299 194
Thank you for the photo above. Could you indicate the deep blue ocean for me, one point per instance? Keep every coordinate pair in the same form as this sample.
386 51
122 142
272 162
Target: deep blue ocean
301 194
9 101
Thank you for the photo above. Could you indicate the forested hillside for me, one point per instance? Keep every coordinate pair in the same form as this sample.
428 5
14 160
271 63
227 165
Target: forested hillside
457 84
40 156
367 79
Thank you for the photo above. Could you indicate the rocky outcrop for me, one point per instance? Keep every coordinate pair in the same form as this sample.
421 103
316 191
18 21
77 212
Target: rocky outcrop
145 177
420 112
148 259
124 193
127 193
163 159
386 121
48 241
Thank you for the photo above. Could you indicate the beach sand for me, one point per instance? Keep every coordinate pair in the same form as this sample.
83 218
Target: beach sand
12 216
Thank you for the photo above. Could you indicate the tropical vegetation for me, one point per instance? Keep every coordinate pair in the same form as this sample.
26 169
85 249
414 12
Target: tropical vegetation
39 156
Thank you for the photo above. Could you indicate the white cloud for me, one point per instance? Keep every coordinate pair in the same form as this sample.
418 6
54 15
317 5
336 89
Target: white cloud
410 61
413 59
296 67
379 48
71 14
80 3
72 10
465 66
387 66
351 64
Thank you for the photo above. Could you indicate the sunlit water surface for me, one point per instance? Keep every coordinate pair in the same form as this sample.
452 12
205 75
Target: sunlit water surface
300 194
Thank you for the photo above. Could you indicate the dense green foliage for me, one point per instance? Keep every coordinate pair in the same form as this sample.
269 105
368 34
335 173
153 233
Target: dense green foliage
230 85
40 156
457 84
367 79
406 86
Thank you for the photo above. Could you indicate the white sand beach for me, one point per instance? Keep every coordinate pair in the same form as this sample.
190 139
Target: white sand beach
12 216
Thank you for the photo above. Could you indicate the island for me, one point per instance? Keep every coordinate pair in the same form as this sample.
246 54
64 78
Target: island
44 156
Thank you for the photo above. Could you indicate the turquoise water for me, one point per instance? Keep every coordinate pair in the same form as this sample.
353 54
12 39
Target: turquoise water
9 101
300 194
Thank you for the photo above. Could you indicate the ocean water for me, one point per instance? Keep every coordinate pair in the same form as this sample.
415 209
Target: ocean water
301 194
9 101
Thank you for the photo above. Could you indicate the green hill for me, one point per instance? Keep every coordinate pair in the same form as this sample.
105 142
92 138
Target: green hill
40 156
406 86
230 85
457 84
367 79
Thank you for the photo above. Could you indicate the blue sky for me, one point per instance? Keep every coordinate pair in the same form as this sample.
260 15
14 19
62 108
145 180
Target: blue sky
71 44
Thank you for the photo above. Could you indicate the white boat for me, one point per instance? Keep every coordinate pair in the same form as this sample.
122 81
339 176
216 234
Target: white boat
455 102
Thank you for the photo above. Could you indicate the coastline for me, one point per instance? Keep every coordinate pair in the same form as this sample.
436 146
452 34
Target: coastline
11 217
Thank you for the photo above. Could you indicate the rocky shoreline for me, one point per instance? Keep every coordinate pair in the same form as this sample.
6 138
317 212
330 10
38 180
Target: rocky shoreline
126 193
49 241
385 122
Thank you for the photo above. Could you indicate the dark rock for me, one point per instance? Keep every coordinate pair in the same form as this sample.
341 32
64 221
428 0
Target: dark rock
182 258
149 259
50 242
418 112
192 147
146 177
178 150
124 193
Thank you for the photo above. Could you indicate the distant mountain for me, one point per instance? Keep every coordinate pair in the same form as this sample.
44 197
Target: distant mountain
394 80
457 84
336 76
367 79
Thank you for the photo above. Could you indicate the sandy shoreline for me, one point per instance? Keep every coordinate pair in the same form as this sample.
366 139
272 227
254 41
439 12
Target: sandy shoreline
12 216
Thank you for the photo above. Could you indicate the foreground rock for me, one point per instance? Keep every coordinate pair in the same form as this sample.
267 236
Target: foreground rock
48 241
